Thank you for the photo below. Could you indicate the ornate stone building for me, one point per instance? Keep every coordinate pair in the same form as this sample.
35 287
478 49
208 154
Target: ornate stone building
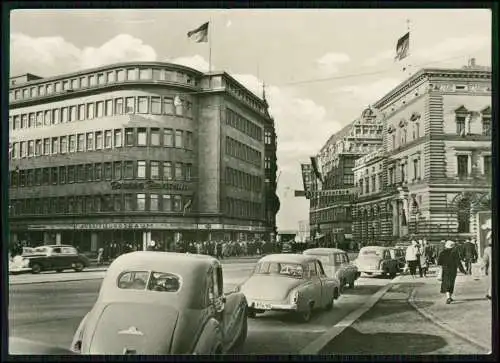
435 163
330 213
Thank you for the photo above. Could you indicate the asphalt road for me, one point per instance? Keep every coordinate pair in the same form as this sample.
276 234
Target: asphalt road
50 313
394 327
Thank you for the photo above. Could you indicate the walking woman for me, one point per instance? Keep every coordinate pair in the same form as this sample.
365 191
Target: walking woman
487 268
449 260
411 258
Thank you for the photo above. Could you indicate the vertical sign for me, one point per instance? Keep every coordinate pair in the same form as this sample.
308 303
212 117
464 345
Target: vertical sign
306 177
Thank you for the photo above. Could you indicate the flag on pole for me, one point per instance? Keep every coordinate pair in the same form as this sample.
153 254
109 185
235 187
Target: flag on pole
402 47
200 34
187 205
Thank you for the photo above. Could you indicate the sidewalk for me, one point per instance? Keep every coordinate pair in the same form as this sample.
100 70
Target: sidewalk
232 259
469 315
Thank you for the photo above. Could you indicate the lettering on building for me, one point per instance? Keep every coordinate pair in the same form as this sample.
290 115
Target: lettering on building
148 185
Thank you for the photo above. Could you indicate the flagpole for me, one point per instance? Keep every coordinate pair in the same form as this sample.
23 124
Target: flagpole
409 48
210 32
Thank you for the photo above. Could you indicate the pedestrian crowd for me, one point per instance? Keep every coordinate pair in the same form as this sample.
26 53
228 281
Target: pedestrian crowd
453 258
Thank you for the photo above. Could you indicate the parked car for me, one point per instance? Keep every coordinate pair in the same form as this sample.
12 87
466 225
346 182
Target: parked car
28 251
291 283
20 346
163 303
56 258
18 264
336 264
376 260
286 247
399 254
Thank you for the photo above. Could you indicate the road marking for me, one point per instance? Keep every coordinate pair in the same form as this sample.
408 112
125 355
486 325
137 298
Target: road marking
316 345
434 319
264 328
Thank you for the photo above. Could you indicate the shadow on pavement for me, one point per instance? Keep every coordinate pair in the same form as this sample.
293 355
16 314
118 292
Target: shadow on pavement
351 341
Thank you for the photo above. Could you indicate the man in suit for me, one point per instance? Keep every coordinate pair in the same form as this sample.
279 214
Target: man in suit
469 255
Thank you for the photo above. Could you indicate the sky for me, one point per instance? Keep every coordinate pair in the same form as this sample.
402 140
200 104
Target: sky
321 68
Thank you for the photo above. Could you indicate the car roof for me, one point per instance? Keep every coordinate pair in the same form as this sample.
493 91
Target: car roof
324 250
55 246
374 248
191 268
287 257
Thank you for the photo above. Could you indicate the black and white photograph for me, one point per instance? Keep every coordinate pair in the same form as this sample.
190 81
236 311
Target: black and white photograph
250 182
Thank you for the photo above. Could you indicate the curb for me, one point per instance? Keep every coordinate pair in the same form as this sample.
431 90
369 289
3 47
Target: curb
55 281
434 319
317 345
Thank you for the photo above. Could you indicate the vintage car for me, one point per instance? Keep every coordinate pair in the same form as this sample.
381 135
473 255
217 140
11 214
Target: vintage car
376 260
21 346
291 283
163 303
56 258
18 264
336 264
399 254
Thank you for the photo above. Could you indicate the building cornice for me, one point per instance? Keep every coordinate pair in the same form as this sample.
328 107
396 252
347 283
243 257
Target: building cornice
431 74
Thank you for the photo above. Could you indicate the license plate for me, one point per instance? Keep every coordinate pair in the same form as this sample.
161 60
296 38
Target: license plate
260 305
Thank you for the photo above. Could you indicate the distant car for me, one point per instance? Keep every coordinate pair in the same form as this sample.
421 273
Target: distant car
336 264
286 247
56 258
20 346
28 251
18 264
291 283
163 303
376 260
399 254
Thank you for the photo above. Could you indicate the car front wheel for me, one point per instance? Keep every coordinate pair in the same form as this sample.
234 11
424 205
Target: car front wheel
36 268
305 316
78 267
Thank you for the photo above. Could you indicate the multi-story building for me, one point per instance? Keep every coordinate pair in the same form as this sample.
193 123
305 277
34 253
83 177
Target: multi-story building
435 161
134 152
331 212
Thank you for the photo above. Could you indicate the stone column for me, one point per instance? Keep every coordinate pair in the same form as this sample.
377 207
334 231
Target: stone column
94 241
395 218
58 238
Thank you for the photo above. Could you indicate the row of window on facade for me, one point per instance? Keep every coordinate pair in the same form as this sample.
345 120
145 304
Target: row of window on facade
106 108
88 204
98 140
243 152
463 169
328 201
244 125
240 179
101 79
240 208
57 175
337 214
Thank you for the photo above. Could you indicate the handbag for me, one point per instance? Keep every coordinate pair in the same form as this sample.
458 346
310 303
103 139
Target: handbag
439 276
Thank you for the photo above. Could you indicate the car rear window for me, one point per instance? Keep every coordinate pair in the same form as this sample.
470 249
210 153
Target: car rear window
370 252
149 280
280 268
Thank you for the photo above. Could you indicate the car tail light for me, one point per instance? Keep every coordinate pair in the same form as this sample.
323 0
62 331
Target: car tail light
77 347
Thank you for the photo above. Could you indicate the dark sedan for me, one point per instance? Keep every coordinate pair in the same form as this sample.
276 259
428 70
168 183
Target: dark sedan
56 258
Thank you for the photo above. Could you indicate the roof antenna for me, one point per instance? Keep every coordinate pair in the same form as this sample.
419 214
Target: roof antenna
264 90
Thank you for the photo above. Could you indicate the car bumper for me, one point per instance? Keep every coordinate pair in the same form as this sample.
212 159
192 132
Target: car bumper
19 270
370 270
271 306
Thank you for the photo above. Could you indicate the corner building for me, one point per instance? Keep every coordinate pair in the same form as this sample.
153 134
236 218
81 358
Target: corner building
436 159
134 152
331 214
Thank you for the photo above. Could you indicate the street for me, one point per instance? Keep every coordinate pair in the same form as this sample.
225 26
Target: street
50 312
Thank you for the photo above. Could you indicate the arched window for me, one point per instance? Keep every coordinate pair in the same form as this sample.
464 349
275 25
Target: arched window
463 214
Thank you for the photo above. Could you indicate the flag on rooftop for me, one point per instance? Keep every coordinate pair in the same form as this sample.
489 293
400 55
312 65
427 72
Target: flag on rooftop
200 34
403 47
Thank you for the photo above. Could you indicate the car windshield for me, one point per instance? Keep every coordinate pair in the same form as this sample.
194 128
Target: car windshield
370 252
280 269
154 281
325 259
